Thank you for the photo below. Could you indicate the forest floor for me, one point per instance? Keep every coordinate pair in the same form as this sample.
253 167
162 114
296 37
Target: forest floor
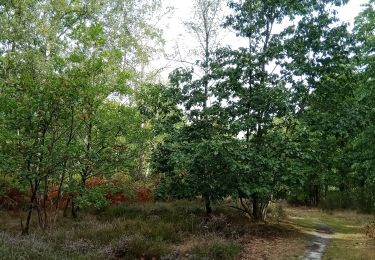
178 230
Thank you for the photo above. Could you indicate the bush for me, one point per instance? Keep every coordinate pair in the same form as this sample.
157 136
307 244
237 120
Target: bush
12 194
93 197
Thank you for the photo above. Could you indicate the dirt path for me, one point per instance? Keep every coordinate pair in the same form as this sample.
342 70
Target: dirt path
318 242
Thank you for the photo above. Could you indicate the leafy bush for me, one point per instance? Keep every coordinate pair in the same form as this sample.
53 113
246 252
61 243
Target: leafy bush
124 185
94 197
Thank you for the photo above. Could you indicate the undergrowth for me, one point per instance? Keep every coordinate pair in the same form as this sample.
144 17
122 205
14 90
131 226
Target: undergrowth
127 231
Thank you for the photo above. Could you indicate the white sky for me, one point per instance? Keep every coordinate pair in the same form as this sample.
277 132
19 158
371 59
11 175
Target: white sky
175 33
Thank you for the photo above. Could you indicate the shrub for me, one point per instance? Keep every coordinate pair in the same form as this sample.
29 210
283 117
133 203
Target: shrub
12 194
143 194
94 197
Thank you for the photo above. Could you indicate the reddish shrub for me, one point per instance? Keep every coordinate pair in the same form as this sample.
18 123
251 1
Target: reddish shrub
13 199
118 197
95 181
53 195
143 194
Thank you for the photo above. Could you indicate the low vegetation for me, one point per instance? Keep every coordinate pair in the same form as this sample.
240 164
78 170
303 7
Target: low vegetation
179 230
175 230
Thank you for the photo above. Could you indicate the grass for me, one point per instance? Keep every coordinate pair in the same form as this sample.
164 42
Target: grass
213 248
178 230
127 231
175 230
349 240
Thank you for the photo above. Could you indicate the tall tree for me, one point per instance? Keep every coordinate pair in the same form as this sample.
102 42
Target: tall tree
323 81
198 140
255 90
363 149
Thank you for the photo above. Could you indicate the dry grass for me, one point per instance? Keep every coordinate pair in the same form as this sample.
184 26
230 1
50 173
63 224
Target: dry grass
281 241
178 230
135 231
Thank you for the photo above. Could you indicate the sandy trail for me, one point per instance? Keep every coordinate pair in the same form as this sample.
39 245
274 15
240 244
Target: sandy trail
318 242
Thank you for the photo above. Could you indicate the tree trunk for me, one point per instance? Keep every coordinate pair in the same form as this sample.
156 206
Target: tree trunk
65 214
208 206
256 210
259 209
25 230
245 207
45 199
74 209
58 199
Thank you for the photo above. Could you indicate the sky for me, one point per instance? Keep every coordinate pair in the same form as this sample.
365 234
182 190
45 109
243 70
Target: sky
177 40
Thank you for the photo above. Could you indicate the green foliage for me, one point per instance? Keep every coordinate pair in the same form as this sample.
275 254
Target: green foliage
63 72
208 173
292 131
93 198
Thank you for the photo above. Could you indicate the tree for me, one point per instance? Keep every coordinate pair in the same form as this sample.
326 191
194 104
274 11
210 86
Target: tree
37 97
254 87
197 158
362 153
323 80
61 63
205 27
